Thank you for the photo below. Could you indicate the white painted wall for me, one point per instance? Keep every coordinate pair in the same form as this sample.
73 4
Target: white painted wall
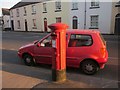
7 23
29 17
104 13
51 14
39 16
79 13
67 14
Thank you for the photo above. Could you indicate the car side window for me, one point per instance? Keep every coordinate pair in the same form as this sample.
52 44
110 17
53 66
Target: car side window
78 40
47 42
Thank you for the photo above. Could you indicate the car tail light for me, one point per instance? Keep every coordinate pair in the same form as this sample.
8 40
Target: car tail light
102 51
105 43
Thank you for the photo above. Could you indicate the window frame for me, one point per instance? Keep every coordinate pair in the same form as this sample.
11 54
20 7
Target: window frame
58 6
34 23
18 24
17 11
95 4
33 9
44 7
25 11
80 46
11 13
91 22
58 19
74 7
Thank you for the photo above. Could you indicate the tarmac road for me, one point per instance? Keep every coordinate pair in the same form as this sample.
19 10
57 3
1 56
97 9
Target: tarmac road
17 75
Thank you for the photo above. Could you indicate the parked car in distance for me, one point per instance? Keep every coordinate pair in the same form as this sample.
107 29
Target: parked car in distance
85 49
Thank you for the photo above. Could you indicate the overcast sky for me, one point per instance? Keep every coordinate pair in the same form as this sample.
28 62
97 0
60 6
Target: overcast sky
7 4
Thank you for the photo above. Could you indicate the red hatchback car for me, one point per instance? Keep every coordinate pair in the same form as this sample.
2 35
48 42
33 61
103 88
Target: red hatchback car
86 49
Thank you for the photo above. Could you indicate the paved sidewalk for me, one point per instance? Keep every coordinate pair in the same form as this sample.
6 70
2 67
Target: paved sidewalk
81 83
20 76
66 84
10 80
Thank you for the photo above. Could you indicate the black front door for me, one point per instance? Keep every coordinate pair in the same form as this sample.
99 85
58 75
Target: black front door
26 28
45 24
12 25
75 23
117 24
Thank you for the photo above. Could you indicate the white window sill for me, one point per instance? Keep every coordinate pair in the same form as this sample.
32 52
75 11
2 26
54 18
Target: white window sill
34 27
93 7
93 28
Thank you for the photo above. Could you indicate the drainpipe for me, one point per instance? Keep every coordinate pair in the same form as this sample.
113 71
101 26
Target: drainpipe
2 23
85 16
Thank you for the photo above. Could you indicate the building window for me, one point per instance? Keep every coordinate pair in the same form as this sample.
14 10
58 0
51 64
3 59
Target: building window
117 4
95 4
8 22
25 12
34 24
17 11
44 7
58 19
11 13
18 24
94 22
74 6
58 6
33 9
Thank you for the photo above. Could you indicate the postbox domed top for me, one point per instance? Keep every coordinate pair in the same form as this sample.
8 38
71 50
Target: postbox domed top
58 26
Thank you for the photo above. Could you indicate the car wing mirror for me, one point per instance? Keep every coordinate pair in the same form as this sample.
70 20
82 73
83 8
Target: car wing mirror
38 45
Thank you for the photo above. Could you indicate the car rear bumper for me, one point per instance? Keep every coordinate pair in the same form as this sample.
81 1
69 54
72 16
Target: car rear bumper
103 61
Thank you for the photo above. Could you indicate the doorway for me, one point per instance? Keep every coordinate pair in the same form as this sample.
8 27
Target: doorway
75 22
117 24
26 28
45 24
12 25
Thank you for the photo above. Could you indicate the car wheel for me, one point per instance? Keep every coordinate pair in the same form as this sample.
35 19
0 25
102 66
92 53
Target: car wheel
89 67
28 60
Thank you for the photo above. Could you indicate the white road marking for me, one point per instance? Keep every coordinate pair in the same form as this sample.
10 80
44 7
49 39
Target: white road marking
113 41
22 36
14 35
13 49
9 49
32 37
113 57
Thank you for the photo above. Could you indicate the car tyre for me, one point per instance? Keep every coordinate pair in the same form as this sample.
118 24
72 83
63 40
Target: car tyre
89 67
28 60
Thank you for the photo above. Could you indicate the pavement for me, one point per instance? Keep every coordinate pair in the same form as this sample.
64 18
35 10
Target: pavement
16 75
65 84
18 81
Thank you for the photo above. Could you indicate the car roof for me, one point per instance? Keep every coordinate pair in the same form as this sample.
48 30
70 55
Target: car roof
85 31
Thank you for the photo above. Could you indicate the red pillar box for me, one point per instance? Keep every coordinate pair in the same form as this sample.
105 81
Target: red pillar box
59 57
